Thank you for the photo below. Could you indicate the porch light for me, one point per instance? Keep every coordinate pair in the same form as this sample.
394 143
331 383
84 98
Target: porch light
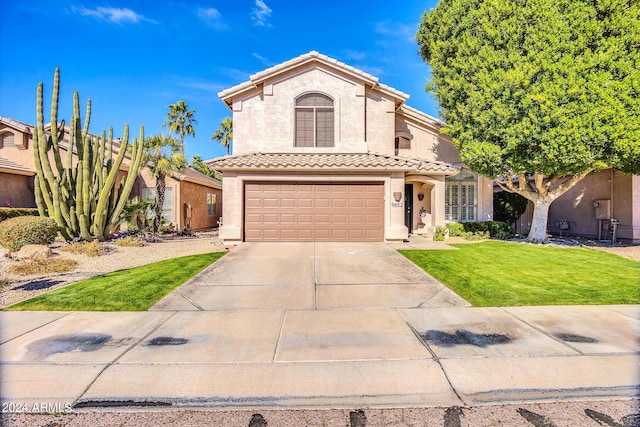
420 196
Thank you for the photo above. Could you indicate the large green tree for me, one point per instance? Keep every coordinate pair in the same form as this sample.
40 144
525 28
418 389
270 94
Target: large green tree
224 135
180 120
537 93
163 156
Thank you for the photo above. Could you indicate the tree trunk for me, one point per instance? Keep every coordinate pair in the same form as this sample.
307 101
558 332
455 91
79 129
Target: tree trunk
160 187
538 232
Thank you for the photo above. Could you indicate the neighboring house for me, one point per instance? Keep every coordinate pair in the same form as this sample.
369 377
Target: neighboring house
589 208
191 198
324 151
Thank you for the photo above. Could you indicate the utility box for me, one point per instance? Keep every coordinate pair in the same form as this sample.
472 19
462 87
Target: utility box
603 208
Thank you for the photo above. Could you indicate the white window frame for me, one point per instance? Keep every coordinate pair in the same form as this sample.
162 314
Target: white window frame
211 204
461 197
167 207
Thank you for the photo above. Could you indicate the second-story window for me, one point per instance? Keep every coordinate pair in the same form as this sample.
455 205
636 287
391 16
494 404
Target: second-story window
314 121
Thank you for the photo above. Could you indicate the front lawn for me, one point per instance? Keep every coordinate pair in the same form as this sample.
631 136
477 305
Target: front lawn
491 274
135 289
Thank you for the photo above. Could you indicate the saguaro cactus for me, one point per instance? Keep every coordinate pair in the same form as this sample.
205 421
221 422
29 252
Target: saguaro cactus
86 193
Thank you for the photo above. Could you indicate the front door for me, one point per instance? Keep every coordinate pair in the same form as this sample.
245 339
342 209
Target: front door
408 206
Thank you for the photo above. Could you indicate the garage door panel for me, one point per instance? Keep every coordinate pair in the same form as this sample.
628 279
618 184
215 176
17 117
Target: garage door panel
288 202
322 218
270 202
305 203
323 203
314 211
339 219
289 219
271 218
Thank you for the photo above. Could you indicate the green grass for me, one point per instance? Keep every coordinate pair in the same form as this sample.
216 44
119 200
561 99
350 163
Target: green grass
135 289
492 274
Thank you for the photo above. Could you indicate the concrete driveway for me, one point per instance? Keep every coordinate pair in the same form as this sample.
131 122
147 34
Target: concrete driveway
258 276
317 325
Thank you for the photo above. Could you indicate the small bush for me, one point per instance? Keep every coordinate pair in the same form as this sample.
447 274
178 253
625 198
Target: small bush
43 266
27 230
439 233
92 248
131 241
478 235
6 213
496 229
455 229
4 283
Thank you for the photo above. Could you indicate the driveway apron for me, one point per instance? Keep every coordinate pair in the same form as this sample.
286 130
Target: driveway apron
311 275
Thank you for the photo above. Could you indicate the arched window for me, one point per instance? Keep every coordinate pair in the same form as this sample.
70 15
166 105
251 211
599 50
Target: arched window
314 121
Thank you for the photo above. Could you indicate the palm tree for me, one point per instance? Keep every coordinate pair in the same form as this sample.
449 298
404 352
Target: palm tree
163 156
180 120
224 135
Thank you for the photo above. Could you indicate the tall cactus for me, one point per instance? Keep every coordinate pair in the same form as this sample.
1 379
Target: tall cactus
86 193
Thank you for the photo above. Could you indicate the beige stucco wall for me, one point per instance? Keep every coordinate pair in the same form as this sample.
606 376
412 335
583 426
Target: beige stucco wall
380 123
427 143
16 191
264 118
577 205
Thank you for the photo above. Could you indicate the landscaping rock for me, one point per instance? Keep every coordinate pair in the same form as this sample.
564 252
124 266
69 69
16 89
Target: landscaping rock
32 252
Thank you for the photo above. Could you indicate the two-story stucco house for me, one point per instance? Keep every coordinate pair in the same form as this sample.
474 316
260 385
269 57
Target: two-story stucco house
323 151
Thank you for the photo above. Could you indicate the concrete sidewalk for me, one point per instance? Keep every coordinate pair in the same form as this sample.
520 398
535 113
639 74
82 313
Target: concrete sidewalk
317 326
320 358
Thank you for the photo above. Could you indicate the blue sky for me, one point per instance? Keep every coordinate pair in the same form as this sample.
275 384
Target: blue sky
134 57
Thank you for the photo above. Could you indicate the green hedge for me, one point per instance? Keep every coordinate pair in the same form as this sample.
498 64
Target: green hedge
6 213
27 230
496 229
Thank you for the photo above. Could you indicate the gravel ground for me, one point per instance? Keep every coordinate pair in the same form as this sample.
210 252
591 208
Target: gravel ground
612 413
24 287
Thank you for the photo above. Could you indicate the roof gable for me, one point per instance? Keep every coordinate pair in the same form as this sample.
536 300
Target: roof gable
306 60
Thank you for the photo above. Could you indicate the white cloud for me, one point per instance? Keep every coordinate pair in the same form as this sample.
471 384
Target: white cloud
395 29
262 59
212 17
112 14
353 55
205 86
261 13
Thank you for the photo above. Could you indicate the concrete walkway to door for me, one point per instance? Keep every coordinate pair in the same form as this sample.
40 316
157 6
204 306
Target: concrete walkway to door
322 275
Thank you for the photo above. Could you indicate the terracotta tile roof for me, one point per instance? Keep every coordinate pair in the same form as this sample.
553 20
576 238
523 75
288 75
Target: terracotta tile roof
8 165
327 162
16 124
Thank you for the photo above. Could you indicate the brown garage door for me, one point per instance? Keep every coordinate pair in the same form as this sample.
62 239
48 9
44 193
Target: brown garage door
314 212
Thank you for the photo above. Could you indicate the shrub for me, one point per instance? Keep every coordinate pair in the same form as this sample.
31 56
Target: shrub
439 233
497 229
93 248
43 266
131 241
6 213
455 229
27 230
478 235
508 207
